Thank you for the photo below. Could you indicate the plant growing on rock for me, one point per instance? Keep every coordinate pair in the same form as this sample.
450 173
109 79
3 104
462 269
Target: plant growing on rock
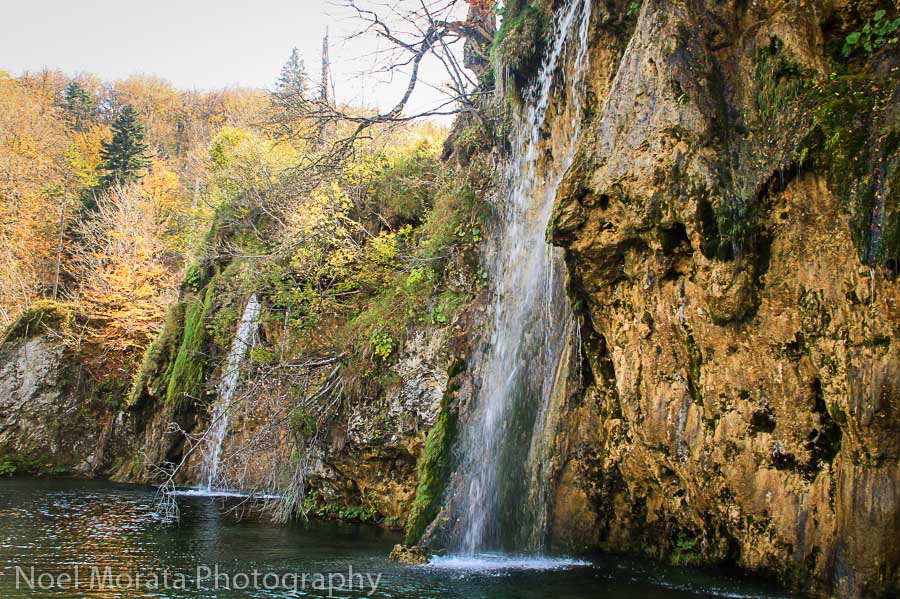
383 344
877 32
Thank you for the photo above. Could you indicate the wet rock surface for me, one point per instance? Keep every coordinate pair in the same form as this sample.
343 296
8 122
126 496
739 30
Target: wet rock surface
409 554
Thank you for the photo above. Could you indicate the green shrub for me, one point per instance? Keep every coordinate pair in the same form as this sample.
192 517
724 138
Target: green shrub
302 422
403 188
877 32
350 513
260 354
419 276
313 504
7 468
684 551
448 302
383 344
193 276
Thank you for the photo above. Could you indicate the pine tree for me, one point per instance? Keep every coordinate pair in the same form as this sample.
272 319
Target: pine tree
80 105
293 81
125 155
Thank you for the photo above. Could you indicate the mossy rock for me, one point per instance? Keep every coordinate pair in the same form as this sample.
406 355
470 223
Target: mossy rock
188 371
436 463
45 316
519 44
153 375
857 146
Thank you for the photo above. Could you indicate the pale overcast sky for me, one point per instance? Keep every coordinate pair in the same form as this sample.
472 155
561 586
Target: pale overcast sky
203 44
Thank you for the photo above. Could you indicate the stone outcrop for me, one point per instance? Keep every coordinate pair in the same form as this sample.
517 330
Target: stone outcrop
53 418
406 554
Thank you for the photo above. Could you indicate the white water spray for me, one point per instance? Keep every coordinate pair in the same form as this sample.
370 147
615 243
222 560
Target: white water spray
497 495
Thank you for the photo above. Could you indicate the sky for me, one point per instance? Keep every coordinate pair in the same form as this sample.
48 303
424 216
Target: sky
199 44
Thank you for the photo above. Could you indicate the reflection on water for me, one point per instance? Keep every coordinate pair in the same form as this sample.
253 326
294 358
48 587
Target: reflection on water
56 526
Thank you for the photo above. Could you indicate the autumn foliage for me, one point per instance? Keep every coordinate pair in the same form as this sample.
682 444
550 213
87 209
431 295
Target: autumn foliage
78 226
483 6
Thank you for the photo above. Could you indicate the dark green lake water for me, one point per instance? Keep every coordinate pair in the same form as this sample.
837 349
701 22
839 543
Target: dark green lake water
59 526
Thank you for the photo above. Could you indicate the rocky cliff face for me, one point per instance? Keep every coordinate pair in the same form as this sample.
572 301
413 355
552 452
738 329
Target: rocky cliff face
53 416
738 301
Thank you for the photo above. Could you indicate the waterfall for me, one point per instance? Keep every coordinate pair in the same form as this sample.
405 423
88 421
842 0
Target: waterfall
215 436
498 493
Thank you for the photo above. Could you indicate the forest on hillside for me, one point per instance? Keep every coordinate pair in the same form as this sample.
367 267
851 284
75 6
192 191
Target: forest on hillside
109 193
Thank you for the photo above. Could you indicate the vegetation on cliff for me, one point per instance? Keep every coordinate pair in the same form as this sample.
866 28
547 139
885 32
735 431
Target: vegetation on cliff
842 124
722 394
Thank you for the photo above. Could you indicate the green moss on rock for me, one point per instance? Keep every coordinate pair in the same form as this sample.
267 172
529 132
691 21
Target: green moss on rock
153 375
858 149
435 466
519 43
188 370
42 317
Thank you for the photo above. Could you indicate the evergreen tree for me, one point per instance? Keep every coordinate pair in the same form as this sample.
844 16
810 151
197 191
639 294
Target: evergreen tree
80 105
125 155
293 83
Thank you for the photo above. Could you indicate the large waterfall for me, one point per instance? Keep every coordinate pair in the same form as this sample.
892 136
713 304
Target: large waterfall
218 428
497 495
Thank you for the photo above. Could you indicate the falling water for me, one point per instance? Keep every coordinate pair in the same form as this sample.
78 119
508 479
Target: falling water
499 489
246 337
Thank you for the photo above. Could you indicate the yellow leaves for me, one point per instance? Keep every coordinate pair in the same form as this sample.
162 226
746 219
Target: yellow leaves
32 174
123 268
363 170
242 160
337 243
231 145
148 94
239 107
383 249
162 187
83 154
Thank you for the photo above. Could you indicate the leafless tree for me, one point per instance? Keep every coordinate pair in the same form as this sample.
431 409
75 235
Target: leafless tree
413 30
292 402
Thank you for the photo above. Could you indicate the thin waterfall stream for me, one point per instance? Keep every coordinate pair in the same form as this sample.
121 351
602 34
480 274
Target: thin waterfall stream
497 496
215 437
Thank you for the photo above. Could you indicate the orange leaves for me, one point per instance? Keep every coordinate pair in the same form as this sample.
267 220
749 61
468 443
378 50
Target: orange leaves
125 276
32 148
488 7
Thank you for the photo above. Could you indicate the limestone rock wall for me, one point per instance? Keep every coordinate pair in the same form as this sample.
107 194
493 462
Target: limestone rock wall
739 397
52 418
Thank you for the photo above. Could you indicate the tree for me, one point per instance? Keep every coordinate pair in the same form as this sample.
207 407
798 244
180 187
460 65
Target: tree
125 156
126 276
159 106
32 166
294 80
80 106
411 32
